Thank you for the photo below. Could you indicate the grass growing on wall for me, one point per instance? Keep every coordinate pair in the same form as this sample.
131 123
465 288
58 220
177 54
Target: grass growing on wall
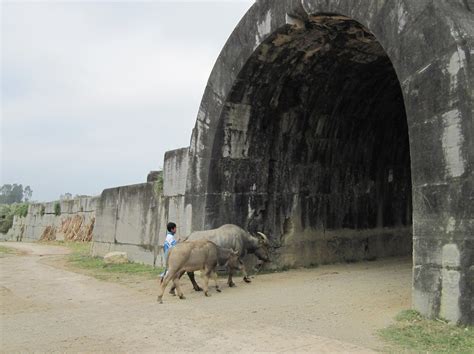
158 185
415 333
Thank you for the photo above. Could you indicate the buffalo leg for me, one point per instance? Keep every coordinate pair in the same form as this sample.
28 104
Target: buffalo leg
229 280
193 280
231 272
214 276
178 286
172 290
246 277
207 273
164 283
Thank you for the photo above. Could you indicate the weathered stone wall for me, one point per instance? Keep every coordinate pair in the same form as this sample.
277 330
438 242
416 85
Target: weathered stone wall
76 218
133 218
127 219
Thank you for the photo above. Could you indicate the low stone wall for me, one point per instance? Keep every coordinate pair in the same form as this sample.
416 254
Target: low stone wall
133 218
73 219
127 220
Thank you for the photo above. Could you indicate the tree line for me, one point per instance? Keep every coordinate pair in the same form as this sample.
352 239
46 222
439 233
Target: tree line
13 202
15 193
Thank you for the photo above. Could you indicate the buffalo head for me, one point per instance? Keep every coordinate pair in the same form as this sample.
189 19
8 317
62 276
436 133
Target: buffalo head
263 250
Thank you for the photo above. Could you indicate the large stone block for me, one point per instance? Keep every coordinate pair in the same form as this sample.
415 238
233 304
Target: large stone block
137 215
106 216
128 220
175 172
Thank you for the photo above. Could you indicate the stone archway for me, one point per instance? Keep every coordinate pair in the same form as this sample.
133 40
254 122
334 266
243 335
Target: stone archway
312 147
334 87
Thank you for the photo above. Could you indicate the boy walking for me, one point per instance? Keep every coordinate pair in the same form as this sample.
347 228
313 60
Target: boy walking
170 242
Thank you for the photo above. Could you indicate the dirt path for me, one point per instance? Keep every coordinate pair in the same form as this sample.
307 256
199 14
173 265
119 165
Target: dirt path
332 308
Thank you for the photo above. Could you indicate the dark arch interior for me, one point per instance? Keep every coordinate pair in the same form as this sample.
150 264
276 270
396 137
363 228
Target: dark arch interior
312 147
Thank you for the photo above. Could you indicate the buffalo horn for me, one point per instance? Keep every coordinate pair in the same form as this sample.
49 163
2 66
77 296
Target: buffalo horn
264 237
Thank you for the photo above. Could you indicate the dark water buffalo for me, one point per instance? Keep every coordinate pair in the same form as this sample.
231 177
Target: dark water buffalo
197 255
233 236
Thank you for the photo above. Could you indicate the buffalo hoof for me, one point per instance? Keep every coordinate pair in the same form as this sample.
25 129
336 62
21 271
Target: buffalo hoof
182 297
218 290
160 300
247 280
231 284
207 294
198 289
172 292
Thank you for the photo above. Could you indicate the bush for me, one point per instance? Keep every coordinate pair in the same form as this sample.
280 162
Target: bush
20 210
158 185
57 209
8 212
6 219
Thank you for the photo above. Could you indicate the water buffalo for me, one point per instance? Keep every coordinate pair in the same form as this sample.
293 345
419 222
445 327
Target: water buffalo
233 236
197 255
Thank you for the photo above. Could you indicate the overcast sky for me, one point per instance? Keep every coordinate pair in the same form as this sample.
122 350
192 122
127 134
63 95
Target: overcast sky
94 93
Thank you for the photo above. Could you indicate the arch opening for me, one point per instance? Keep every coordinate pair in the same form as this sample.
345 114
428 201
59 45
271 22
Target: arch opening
312 147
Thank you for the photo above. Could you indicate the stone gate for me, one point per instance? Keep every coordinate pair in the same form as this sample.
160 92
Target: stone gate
344 130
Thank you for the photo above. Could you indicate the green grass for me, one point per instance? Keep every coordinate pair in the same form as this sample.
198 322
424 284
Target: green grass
80 258
7 250
415 333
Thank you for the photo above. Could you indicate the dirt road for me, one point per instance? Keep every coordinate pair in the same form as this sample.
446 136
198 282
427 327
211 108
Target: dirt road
333 308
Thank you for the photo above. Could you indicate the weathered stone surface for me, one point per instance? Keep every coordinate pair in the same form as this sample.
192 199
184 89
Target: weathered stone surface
106 215
128 219
175 172
133 218
136 217
116 258
43 215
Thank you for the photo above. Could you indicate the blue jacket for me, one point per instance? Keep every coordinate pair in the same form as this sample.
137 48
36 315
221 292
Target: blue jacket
170 242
